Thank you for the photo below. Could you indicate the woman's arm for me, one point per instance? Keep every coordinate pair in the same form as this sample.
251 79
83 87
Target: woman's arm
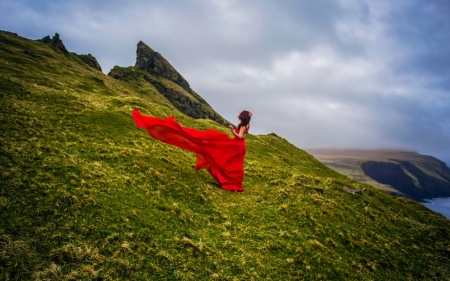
241 133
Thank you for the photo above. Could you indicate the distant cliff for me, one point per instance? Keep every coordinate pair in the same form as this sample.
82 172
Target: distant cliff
408 178
397 172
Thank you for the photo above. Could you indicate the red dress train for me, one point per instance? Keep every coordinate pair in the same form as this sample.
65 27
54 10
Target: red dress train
221 156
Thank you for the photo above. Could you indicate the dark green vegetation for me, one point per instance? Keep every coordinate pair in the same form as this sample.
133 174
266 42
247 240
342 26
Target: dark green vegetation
85 195
91 61
404 173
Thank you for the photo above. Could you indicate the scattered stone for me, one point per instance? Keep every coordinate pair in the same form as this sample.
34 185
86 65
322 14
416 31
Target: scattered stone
26 52
352 191
31 54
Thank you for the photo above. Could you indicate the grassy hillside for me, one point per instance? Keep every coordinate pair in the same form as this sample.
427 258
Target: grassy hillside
85 195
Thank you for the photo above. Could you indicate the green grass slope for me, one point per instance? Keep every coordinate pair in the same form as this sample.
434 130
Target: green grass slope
85 195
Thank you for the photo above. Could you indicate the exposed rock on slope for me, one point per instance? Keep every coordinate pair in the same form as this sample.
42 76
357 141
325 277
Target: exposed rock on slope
91 61
154 69
55 42
155 64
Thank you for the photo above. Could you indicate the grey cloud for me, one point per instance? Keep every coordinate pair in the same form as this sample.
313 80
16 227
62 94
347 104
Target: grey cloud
423 28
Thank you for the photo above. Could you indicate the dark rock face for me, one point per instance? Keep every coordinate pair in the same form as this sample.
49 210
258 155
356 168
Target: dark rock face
396 175
155 64
389 173
432 187
55 43
184 104
91 61
440 168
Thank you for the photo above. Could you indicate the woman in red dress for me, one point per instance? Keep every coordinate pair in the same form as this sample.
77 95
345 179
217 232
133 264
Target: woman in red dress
221 156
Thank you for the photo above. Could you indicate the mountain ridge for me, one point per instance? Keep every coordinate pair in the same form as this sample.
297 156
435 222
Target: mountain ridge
155 64
57 44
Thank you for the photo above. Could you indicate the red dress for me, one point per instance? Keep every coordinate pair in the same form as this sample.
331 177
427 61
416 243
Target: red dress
221 156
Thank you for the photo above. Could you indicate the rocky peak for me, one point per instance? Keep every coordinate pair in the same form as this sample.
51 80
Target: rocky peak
155 64
154 69
55 43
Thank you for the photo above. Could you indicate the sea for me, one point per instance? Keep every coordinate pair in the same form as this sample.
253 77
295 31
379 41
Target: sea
440 205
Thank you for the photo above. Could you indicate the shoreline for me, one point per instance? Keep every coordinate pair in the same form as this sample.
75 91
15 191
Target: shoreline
439 205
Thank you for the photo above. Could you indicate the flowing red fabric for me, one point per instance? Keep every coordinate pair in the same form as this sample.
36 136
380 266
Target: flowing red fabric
221 156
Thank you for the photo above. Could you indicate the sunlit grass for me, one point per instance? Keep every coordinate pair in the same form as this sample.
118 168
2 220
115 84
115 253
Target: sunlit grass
85 195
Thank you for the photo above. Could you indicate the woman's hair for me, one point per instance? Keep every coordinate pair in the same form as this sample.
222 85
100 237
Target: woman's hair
244 116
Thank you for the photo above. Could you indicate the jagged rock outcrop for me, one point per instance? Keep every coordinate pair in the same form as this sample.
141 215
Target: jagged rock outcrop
155 64
55 42
90 60
151 67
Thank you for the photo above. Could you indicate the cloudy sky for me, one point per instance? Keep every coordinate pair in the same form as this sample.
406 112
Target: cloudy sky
328 73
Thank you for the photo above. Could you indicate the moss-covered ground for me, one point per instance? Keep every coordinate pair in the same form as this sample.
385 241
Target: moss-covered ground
85 195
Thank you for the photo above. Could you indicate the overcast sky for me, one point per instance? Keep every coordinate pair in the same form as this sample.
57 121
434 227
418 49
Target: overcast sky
320 73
